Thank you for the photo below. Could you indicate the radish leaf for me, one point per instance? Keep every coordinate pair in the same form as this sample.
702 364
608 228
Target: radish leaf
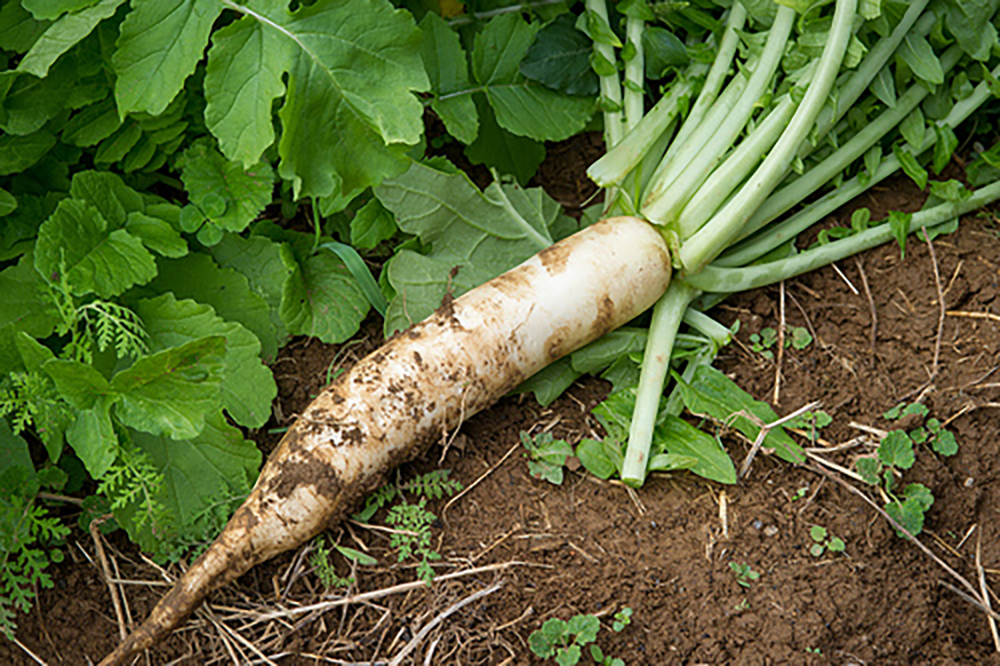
476 231
170 392
202 478
247 385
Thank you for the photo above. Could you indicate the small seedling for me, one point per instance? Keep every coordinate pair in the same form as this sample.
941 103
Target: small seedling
744 573
809 420
763 341
742 606
325 571
796 337
564 640
546 456
822 544
623 618
800 493
816 651
896 453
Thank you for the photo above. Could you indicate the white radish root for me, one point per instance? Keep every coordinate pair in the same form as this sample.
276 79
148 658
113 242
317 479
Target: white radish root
399 399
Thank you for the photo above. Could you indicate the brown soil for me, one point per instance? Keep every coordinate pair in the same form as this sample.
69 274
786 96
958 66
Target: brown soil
590 546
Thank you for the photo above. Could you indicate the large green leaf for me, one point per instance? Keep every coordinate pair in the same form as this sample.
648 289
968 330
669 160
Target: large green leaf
201 476
681 438
969 21
713 394
93 437
64 34
559 58
76 245
464 228
17 153
321 298
160 44
18 28
157 235
109 194
208 175
247 386
671 436
522 106
79 383
90 433
17 472
169 393
349 113
198 277
258 259
24 300
31 102
50 10
242 79
496 147
448 70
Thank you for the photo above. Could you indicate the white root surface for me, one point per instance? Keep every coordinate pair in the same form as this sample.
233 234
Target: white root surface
424 381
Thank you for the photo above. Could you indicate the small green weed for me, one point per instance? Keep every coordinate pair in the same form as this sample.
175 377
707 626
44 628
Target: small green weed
546 456
809 420
796 337
564 640
324 569
896 454
744 573
821 542
412 520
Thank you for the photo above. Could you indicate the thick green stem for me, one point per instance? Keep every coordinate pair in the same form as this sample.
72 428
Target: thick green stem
870 66
714 236
612 168
714 192
665 207
787 197
680 153
635 73
611 89
768 239
713 82
740 279
667 315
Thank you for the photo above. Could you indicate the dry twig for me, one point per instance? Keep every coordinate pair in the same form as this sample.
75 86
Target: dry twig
429 627
937 283
475 483
378 594
95 534
871 303
35 657
986 590
973 315
765 428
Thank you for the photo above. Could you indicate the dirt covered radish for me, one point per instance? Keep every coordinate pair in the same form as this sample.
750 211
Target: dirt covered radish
390 406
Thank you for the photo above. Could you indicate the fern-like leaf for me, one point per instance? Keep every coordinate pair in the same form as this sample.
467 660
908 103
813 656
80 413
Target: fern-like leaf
113 325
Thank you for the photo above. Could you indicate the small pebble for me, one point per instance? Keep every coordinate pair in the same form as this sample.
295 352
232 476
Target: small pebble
770 530
757 524
969 482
